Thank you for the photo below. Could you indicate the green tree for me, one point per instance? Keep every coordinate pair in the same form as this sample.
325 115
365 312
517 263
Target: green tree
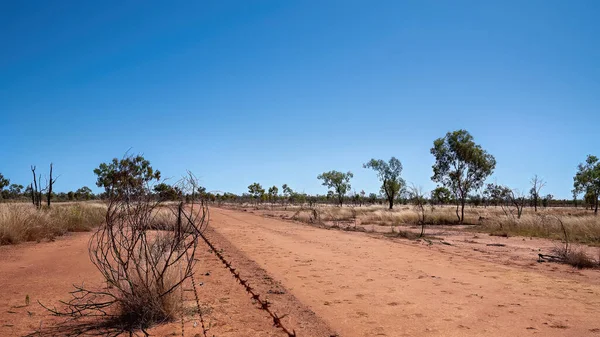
84 193
372 198
389 175
15 190
339 182
461 165
256 191
440 195
130 175
167 192
587 179
3 183
273 191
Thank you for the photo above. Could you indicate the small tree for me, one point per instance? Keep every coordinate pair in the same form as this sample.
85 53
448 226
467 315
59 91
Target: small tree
273 192
419 201
587 179
3 182
51 182
127 176
461 165
389 175
536 186
546 200
256 191
440 195
339 182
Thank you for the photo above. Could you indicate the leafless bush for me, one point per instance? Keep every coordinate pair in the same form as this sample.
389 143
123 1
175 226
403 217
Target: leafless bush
143 268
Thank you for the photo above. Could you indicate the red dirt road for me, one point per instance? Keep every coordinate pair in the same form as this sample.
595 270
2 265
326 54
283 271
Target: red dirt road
364 285
355 284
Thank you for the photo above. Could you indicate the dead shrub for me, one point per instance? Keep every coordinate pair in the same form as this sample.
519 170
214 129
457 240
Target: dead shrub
143 268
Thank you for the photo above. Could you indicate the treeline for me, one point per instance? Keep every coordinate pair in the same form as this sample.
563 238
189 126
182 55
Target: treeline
460 171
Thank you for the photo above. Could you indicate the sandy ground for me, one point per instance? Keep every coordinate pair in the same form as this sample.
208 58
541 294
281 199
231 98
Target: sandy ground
327 281
46 271
367 285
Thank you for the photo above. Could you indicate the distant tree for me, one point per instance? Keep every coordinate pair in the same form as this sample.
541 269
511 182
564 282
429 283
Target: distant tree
461 165
256 191
587 179
475 200
389 175
126 176
15 190
536 186
440 195
372 198
273 192
417 197
71 195
287 192
166 192
547 199
3 182
83 193
339 182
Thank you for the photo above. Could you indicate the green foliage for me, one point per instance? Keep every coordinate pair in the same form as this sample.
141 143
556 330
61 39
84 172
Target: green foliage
460 164
339 182
129 175
167 192
389 175
587 180
441 195
273 191
3 182
256 190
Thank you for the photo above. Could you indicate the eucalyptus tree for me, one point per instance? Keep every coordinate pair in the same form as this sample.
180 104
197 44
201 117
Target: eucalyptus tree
461 166
389 175
338 182
587 180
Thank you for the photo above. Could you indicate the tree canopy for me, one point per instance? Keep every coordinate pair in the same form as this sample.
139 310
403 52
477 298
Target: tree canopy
130 175
389 175
337 181
461 165
587 180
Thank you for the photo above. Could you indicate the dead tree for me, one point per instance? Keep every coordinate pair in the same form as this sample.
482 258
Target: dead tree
50 184
536 186
36 192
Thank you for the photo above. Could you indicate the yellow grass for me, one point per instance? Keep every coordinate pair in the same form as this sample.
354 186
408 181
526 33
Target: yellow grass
21 222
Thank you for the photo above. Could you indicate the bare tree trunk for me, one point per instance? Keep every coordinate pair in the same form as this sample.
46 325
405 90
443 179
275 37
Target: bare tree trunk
596 209
32 194
462 211
49 195
457 215
36 198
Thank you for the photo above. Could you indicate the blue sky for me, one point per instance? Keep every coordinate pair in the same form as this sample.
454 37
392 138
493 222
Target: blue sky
279 91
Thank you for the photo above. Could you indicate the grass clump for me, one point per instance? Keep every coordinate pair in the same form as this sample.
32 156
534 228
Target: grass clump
24 222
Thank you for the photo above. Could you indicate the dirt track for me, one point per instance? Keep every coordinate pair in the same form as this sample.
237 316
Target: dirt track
356 284
371 286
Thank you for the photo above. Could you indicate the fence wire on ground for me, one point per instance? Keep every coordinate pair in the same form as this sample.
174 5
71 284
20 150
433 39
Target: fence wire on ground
263 304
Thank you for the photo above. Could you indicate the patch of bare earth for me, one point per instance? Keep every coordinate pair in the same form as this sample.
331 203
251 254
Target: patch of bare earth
368 285
46 272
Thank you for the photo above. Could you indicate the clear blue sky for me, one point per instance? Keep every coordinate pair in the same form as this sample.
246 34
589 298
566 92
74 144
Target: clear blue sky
279 91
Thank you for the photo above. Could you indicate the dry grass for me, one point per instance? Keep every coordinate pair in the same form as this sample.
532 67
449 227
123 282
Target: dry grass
581 225
23 222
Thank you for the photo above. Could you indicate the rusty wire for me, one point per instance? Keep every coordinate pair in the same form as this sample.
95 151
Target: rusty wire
262 304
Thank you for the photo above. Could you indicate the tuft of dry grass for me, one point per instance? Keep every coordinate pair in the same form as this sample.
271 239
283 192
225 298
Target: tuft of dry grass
23 222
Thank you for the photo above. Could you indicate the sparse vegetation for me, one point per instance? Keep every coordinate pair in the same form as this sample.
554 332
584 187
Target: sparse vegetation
21 222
